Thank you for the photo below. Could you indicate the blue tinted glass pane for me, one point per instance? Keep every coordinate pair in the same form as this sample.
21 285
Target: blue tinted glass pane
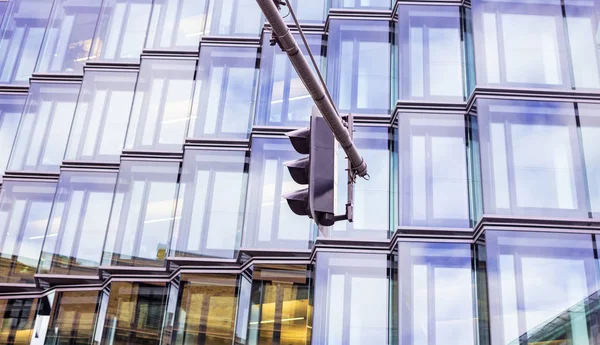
582 36
11 108
269 222
589 119
362 4
78 223
44 129
2 9
24 212
210 205
176 24
22 32
225 93
234 18
68 38
306 11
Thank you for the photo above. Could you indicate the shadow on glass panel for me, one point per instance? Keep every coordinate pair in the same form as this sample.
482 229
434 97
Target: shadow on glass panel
176 24
73 318
11 109
17 320
234 18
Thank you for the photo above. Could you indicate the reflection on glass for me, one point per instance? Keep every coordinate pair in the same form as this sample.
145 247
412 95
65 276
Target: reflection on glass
243 312
161 105
589 119
233 18
100 123
72 319
21 35
361 4
435 294
69 35
24 212
176 24
134 314
371 198
225 91
351 299
313 11
2 9
210 205
542 288
530 159
280 310
11 108
358 61
283 98
121 30
583 36
430 49
269 222
44 129
78 223
433 171
142 214
17 318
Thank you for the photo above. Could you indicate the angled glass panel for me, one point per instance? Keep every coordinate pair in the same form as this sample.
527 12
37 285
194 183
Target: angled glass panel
161 106
176 24
24 213
351 299
142 214
234 18
358 65
69 36
269 221
17 318
433 182
225 93
78 223
313 11
72 318
22 32
210 204
11 108
543 288
430 47
362 4
101 117
582 36
589 120
283 98
371 198
3 5
44 128
121 30
436 300
531 159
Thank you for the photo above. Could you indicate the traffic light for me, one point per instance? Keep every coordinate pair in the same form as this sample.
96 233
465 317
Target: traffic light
317 170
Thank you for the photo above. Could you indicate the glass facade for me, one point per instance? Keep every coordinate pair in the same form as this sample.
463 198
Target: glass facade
11 108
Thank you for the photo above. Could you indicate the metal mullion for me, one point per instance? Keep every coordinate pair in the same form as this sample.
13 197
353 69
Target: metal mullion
186 210
122 226
202 325
21 49
565 58
178 20
578 160
406 160
429 212
207 206
103 122
202 104
355 75
46 134
160 116
277 206
19 238
79 230
500 41
4 231
579 138
122 31
431 325
139 233
510 166
285 105
222 99
60 235
426 63
348 303
520 295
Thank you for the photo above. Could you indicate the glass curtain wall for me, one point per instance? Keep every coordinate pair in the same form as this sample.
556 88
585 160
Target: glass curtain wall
308 12
589 122
362 4
11 109
234 18
176 24
17 317
73 318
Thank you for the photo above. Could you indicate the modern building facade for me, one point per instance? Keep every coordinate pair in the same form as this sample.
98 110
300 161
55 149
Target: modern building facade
141 175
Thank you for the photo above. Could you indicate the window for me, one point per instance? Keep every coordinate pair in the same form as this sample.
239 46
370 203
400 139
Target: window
161 105
78 223
24 212
72 318
225 93
17 320
121 30
313 11
234 18
11 108
542 287
530 158
44 129
358 64
210 205
589 119
431 48
432 162
101 117
269 222
361 4
68 38
176 24
21 37
583 37
142 214
283 98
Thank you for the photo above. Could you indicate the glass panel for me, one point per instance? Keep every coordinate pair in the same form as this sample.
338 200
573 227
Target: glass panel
283 98
21 37
161 105
2 9
68 38
351 299
101 117
11 108
531 160
359 56
121 30
72 319
430 49
78 223
176 24
142 214
269 222
210 205
363 4
542 288
24 212
134 314
17 321
225 93
280 306
44 129
433 171
243 311
234 18
306 11
371 198
582 19
436 294
589 119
